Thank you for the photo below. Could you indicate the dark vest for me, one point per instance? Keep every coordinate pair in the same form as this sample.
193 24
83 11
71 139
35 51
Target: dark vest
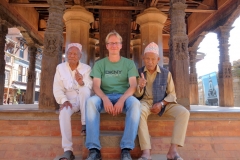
159 86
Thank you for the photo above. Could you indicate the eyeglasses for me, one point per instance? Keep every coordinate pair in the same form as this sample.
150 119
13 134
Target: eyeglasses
114 43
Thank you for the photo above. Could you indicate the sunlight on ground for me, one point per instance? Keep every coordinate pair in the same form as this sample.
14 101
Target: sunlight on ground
209 46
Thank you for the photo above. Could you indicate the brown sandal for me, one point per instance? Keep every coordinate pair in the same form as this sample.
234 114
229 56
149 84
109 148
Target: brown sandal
176 158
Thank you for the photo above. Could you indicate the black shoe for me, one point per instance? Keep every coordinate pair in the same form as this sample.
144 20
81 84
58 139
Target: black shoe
94 154
125 155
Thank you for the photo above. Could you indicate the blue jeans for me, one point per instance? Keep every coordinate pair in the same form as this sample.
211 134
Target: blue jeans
95 106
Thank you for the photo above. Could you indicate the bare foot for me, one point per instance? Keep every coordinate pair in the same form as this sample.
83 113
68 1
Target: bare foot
172 152
147 154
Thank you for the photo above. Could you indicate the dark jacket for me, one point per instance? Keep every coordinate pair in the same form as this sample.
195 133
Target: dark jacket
159 86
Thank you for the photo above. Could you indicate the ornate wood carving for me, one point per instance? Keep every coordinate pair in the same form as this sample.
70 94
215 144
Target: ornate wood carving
115 20
178 57
193 73
53 41
178 47
179 40
225 68
224 64
193 78
52 44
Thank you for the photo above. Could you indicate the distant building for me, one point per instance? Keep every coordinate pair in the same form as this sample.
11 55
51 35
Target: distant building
201 93
210 89
236 86
236 82
16 69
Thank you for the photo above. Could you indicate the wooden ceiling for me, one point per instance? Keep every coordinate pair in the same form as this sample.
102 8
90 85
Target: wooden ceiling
136 6
212 12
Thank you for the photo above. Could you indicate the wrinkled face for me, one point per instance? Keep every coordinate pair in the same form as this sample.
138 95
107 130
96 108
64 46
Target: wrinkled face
114 45
73 55
151 60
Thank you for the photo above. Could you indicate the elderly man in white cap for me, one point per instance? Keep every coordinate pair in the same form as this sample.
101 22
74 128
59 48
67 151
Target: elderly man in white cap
71 88
157 96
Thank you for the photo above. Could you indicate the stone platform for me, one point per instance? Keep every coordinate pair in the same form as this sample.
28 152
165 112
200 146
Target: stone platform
31 134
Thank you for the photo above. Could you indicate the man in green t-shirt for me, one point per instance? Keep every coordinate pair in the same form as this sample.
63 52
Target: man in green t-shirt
114 83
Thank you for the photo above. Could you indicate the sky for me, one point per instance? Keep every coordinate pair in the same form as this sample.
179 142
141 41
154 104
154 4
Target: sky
209 46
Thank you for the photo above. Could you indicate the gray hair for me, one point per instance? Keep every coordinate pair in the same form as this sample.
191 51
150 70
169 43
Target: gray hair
113 33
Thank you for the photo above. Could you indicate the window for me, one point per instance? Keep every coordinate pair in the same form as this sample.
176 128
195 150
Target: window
20 72
38 74
28 56
8 59
7 76
24 74
21 51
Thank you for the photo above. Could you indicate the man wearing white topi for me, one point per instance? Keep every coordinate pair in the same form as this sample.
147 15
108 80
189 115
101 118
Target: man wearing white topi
71 88
157 95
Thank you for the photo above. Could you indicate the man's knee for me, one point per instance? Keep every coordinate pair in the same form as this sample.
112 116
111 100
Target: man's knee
144 111
85 93
183 112
65 113
92 104
134 102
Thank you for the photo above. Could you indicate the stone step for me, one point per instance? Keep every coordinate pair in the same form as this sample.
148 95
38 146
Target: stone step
77 157
154 157
159 157
111 138
110 142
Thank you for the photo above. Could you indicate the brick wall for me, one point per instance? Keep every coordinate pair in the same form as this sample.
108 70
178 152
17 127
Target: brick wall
36 135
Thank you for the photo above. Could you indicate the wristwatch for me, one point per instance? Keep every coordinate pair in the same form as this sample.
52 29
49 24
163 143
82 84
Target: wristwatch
162 104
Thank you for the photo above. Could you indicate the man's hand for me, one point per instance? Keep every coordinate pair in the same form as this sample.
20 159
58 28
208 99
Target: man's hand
156 108
79 78
142 81
108 106
65 104
118 107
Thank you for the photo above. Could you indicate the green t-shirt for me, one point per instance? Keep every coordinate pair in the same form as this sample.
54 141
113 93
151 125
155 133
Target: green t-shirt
114 76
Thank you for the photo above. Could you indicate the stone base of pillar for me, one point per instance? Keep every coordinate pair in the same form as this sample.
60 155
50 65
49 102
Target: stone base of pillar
225 94
193 94
184 102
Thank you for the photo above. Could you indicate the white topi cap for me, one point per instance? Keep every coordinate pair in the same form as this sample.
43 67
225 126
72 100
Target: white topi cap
79 46
152 47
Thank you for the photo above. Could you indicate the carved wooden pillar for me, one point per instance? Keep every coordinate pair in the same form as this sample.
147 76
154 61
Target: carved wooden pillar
77 20
178 58
52 53
225 68
193 84
118 20
3 33
137 52
31 82
151 24
91 54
